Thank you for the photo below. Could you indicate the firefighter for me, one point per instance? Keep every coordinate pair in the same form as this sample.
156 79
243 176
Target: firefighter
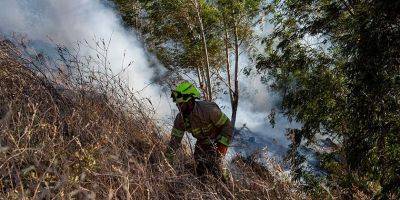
207 123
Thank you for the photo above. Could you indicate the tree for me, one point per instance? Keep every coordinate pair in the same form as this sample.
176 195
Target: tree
180 33
336 65
206 57
198 35
237 19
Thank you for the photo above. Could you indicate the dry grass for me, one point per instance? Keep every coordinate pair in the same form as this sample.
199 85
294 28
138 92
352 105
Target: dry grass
81 134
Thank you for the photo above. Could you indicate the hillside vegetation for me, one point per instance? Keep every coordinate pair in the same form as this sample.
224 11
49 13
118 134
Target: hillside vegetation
83 135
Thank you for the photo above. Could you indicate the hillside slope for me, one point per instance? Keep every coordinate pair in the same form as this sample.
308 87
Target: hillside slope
60 138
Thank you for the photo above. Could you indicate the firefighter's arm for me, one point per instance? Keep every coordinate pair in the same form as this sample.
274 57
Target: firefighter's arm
224 125
176 139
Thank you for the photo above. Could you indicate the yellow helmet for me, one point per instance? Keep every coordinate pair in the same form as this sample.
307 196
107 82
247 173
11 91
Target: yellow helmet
184 92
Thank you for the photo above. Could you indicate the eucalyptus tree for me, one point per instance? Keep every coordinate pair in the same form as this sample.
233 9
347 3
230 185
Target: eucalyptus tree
198 35
237 18
181 33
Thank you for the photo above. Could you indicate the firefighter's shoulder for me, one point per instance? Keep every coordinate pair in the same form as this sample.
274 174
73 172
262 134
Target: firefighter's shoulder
206 105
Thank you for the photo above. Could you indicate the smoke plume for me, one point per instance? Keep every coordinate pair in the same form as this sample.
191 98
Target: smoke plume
67 22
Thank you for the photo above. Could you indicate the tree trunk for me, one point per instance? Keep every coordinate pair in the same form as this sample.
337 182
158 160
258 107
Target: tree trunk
207 64
203 85
200 78
236 82
228 67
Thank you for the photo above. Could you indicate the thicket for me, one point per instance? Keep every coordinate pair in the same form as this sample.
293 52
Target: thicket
336 64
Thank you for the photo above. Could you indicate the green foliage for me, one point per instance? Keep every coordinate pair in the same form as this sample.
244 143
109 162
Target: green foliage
239 14
171 30
314 187
336 64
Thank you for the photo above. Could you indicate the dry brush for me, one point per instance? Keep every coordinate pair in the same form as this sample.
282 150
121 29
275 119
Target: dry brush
68 131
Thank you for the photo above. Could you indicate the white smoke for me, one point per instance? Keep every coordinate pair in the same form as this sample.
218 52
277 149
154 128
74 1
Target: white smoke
255 104
68 21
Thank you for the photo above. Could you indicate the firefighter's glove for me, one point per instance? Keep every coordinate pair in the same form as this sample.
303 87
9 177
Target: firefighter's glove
222 145
222 149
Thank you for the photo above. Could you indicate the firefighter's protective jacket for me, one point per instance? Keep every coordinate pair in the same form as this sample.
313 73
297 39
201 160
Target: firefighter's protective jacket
207 123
